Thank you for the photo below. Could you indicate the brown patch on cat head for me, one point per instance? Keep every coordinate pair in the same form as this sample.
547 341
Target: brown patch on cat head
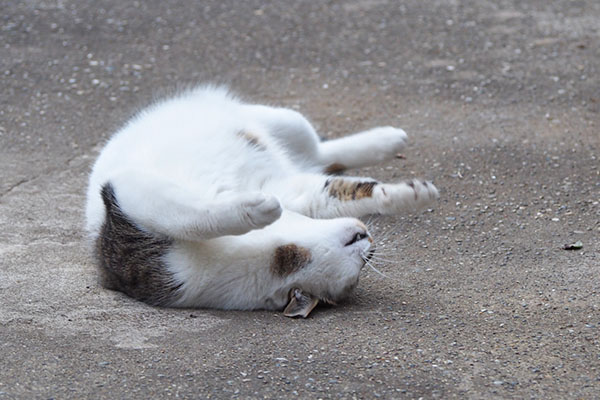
252 139
335 169
289 258
346 190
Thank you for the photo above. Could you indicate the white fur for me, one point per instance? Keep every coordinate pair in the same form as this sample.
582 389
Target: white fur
182 169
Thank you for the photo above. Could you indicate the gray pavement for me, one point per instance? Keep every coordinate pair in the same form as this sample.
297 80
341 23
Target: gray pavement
501 100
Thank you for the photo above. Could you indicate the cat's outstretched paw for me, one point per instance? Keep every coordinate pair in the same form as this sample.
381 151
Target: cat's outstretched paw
390 139
425 192
261 209
413 194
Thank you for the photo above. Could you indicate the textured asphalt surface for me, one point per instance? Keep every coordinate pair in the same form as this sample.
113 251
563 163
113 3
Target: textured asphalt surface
501 100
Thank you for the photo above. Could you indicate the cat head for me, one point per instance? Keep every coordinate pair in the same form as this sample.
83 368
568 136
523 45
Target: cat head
289 265
317 260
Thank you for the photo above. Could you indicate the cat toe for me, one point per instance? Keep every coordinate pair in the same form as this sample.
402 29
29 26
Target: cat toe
411 195
270 205
394 138
386 142
425 192
263 210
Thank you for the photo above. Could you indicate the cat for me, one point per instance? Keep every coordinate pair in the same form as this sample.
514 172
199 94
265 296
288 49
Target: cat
202 200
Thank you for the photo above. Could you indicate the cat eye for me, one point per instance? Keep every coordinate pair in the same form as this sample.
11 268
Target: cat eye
356 238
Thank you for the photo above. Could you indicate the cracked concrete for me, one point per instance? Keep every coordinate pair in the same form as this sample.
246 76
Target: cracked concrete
501 103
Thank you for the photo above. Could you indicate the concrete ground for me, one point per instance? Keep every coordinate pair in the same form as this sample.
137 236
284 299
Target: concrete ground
501 100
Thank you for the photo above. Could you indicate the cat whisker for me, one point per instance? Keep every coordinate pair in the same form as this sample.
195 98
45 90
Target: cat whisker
371 221
370 265
381 255
378 253
384 260
386 235
368 222
374 257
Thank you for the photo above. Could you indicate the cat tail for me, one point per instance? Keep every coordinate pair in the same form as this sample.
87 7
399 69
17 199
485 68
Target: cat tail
131 259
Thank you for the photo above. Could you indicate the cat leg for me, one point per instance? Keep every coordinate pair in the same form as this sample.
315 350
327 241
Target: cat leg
296 135
291 130
166 208
330 197
361 149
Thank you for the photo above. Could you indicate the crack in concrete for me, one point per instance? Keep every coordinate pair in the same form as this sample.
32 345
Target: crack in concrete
47 173
16 185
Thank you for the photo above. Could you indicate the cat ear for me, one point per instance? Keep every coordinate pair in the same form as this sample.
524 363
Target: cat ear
301 304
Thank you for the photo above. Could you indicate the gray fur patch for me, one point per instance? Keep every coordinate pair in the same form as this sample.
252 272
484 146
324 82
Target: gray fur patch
130 259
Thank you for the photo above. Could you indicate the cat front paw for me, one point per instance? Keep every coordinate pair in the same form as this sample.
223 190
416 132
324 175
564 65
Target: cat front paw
261 209
425 192
411 195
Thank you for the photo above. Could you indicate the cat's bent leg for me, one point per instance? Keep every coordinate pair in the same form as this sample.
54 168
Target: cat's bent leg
291 130
178 212
295 133
361 149
330 197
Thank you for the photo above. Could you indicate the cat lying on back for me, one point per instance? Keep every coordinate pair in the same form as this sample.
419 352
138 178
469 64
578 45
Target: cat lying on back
204 201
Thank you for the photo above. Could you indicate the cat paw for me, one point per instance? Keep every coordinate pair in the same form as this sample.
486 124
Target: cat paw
388 142
425 192
393 138
261 209
414 194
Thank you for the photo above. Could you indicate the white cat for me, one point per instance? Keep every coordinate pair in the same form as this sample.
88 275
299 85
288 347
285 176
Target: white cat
204 201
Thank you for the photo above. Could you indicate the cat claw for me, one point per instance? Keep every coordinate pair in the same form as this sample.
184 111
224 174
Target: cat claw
413 194
425 192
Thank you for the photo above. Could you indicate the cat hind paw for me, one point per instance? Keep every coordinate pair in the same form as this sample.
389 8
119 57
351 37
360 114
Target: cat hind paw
393 139
385 142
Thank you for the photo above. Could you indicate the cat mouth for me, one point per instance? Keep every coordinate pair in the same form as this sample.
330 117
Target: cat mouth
366 255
